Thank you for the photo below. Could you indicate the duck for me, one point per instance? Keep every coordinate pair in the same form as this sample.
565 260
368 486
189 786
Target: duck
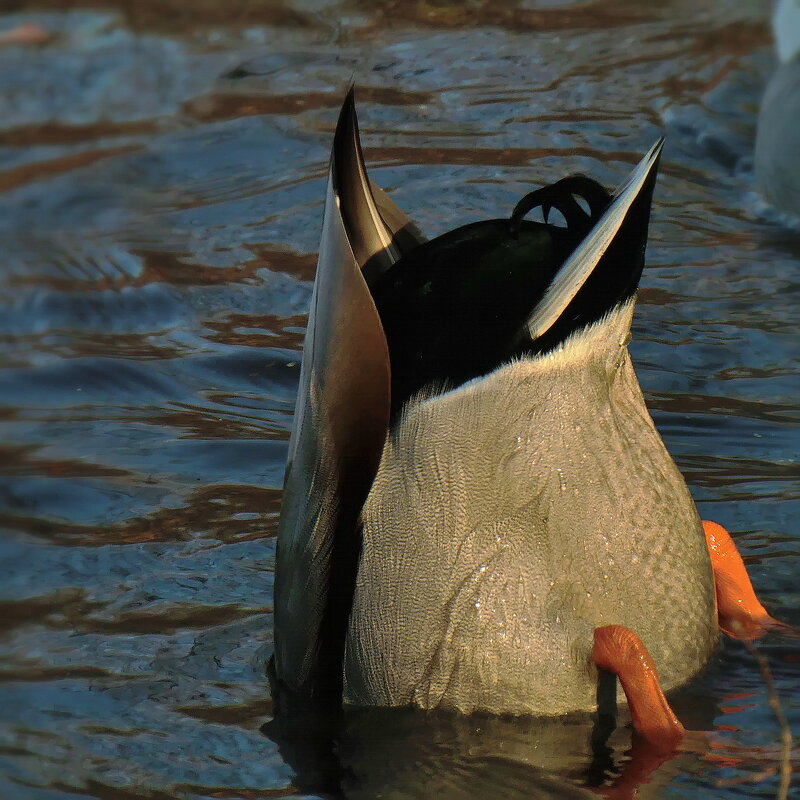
479 514
777 168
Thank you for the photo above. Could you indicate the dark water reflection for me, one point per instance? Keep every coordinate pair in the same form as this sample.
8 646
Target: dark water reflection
161 179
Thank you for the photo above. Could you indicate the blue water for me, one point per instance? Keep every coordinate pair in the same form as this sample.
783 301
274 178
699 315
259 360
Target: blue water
162 169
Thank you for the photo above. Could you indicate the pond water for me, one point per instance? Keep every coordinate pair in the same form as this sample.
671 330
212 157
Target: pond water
162 168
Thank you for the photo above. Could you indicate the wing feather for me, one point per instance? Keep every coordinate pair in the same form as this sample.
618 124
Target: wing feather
341 420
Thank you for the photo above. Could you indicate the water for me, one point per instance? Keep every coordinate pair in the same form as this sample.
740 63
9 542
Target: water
161 184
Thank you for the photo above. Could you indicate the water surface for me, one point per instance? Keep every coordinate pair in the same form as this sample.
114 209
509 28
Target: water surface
162 170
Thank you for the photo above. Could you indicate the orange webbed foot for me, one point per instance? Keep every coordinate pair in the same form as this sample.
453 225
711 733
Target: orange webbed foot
739 611
620 651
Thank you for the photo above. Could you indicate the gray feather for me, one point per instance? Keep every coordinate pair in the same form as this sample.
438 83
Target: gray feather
511 517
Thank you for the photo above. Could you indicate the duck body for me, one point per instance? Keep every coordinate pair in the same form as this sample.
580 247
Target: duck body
511 517
477 501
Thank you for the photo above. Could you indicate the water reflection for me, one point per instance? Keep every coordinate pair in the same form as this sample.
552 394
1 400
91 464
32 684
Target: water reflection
162 169
413 754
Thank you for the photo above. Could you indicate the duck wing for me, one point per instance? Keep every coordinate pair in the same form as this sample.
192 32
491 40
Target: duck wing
341 420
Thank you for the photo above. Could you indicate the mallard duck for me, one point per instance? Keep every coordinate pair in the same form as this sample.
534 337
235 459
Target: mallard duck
479 512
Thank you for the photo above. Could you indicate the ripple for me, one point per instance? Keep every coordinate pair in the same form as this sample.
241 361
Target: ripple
239 714
214 512
162 173
169 619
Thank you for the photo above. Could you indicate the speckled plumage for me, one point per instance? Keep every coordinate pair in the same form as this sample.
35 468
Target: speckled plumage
474 482
508 519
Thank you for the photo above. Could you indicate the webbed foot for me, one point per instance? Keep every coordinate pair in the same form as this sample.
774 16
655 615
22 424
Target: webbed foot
620 651
739 611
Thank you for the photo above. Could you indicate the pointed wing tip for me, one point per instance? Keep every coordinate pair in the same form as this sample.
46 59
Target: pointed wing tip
347 114
654 153
643 173
586 256
346 148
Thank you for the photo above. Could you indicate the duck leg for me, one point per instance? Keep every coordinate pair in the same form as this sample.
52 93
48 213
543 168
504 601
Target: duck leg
620 651
740 613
